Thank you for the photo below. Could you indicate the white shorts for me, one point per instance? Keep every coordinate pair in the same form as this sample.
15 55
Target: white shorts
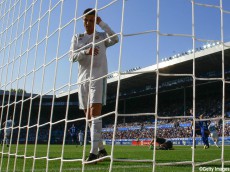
214 136
97 93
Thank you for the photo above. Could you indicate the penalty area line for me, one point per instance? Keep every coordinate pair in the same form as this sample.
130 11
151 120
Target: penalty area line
94 168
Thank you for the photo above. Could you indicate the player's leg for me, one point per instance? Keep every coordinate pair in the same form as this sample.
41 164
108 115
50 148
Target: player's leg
96 127
7 139
83 96
206 133
197 132
215 142
80 142
97 147
71 139
204 136
4 138
95 130
91 155
98 92
75 139
87 114
215 139
97 99
101 149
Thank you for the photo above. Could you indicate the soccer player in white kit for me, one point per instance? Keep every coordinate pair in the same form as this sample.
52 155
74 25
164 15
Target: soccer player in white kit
82 51
8 124
81 138
213 133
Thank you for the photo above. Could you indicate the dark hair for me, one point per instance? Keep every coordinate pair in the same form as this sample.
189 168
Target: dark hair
88 10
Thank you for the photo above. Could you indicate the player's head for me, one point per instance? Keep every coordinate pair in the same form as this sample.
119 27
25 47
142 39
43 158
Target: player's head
90 11
89 20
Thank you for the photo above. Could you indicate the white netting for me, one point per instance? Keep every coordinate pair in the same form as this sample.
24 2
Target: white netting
35 38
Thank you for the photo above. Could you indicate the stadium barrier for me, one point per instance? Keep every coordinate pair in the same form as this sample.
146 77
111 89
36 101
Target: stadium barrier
176 141
142 143
170 125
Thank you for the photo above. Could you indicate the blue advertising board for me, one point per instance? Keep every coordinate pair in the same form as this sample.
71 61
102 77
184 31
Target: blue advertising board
176 141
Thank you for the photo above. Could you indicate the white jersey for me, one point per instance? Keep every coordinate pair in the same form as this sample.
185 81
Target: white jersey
212 128
213 131
97 90
100 67
8 125
80 137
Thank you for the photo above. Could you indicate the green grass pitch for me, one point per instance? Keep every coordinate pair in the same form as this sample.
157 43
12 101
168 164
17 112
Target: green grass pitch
179 154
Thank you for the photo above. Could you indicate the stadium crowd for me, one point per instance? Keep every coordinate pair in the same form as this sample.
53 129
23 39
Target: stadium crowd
171 128
168 131
133 128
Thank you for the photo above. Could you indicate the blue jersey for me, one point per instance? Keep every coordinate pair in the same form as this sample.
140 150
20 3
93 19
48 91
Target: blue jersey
203 125
197 125
73 131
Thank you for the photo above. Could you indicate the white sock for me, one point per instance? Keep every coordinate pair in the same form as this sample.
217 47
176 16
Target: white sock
100 145
95 135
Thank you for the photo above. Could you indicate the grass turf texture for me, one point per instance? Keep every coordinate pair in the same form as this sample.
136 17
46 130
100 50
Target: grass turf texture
179 154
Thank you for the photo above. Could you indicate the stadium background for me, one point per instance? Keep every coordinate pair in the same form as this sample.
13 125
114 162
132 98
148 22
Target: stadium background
137 95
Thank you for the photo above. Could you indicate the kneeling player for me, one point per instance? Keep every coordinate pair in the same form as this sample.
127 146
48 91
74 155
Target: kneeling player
163 144
213 133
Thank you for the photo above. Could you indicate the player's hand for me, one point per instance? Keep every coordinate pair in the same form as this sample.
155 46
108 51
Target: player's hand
89 51
98 20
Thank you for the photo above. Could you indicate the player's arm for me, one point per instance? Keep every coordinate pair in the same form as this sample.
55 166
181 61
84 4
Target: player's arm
114 39
152 141
75 54
191 125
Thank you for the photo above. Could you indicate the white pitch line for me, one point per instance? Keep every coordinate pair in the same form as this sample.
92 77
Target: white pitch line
94 168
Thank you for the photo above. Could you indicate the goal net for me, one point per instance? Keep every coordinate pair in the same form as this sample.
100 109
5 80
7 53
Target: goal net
172 56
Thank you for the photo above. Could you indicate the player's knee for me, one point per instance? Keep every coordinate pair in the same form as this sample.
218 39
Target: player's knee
95 109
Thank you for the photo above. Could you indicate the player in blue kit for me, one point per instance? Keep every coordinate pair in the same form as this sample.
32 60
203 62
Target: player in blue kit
204 132
73 133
